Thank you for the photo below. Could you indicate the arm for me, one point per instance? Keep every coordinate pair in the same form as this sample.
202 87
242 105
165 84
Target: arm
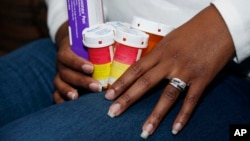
193 52
235 13
57 15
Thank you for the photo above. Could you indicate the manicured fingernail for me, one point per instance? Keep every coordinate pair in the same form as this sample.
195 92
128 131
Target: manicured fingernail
113 110
177 127
110 94
145 133
95 87
87 68
72 95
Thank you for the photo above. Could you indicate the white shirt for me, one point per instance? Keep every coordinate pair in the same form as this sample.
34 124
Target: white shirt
173 12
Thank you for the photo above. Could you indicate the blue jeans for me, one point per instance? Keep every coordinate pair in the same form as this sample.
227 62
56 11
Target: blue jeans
28 113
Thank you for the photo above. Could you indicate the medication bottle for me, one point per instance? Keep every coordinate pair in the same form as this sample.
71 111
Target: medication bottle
156 31
129 43
114 25
82 14
99 40
117 24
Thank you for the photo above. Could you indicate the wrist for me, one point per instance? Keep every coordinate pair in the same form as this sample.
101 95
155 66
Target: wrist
62 33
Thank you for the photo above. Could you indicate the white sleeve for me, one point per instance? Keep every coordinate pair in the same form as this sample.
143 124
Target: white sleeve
57 15
236 15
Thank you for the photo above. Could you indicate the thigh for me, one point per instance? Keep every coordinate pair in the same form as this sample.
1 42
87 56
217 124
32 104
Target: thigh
224 103
26 80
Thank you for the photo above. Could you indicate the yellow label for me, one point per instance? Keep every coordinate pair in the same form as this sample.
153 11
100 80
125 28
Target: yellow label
101 72
117 69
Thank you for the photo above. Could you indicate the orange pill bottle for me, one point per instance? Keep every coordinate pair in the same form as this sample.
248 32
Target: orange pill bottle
128 49
156 31
99 41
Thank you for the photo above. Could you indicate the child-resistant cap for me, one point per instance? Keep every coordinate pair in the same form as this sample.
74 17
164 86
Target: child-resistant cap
98 36
151 27
117 24
131 37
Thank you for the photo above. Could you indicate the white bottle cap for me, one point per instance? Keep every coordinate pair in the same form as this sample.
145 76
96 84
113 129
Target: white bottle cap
98 36
151 27
131 37
117 24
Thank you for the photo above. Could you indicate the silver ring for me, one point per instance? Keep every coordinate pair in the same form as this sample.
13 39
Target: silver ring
178 84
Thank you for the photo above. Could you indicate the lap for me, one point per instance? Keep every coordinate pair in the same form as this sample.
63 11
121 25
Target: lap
226 102
26 80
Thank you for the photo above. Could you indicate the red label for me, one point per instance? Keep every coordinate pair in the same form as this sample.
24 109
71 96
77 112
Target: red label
125 54
99 55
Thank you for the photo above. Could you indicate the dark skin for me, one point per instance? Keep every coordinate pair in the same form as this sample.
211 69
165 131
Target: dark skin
194 52
73 71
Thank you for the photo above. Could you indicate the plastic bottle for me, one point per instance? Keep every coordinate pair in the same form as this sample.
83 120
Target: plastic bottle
117 24
128 48
156 31
99 40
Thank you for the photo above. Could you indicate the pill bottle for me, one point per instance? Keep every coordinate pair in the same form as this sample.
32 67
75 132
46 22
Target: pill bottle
99 40
82 14
129 43
156 31
117 24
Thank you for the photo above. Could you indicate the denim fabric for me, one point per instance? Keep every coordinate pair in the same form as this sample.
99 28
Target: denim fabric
26 80
226 101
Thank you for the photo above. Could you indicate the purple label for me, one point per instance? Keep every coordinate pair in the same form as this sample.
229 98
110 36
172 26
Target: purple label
78 20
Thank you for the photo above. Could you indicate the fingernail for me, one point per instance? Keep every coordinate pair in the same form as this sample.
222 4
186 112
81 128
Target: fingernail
110 94
95 87
177 127
72 95
87 68
146 131
114 109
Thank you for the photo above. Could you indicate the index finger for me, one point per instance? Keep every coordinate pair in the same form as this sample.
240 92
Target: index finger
135 71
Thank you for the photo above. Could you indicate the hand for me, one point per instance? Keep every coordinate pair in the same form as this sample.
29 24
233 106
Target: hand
73 71
195 52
